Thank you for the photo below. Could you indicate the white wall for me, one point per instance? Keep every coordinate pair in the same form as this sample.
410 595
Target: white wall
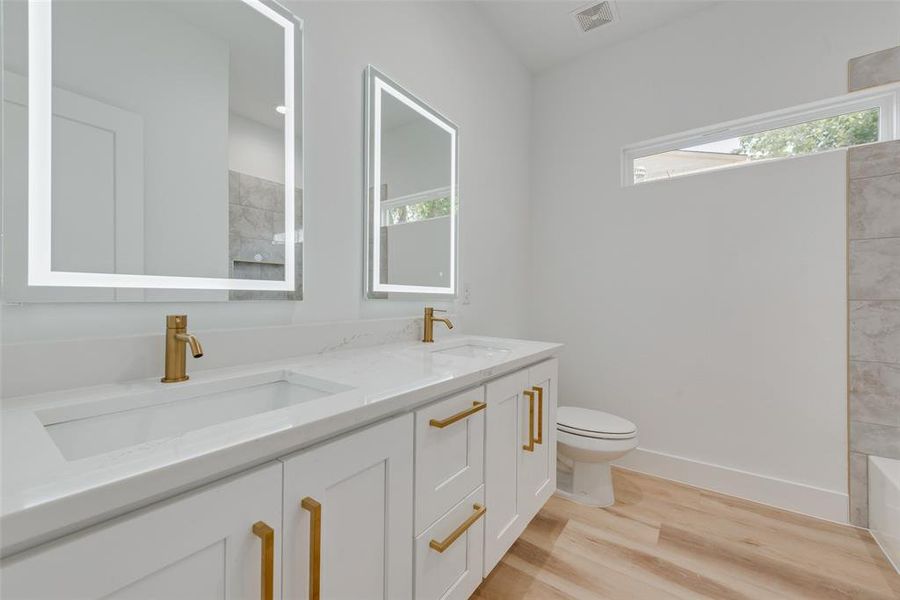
415 157
258 150
417 253
710 310
469 77
184 107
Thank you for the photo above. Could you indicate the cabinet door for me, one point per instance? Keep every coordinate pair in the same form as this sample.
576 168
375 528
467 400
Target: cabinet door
348 516
196 546
505 519
537 465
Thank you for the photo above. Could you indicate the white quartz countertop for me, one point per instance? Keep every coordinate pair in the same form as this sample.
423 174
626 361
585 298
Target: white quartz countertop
45 495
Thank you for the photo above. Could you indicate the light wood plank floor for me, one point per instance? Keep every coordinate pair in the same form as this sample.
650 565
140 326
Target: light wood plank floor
667 540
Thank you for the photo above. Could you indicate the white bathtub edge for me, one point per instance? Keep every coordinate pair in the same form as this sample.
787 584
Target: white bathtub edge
884 506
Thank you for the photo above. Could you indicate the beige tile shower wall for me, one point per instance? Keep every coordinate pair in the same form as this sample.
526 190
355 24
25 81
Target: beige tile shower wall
873 228
874 312
874 69
255 218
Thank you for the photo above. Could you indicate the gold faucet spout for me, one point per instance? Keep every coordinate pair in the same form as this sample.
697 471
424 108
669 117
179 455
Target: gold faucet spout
177 338
445 321
192 341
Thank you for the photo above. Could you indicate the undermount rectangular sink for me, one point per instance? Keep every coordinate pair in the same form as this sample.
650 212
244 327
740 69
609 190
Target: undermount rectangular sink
473 350
97 427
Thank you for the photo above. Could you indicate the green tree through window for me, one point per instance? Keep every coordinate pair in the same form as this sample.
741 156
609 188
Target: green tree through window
419 211
815 136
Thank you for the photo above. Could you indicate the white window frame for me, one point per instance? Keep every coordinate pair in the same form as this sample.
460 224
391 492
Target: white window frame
886 98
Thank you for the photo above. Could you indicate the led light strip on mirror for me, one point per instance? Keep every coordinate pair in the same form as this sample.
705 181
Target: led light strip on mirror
40 89
377 85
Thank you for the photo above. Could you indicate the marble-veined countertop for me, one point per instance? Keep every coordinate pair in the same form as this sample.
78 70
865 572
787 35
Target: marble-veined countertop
45 496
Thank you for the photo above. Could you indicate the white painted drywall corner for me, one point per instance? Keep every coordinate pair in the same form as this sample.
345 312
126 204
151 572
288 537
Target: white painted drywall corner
709 309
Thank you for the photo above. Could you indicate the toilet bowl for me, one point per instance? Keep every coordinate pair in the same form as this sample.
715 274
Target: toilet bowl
587 441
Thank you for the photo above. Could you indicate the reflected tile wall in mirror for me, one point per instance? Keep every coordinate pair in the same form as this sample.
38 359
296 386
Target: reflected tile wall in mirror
255 242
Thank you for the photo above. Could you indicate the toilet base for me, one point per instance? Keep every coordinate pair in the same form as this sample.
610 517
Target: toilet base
589 484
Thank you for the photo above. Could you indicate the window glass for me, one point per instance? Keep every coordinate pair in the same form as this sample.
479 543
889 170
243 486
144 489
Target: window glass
416 211
839 131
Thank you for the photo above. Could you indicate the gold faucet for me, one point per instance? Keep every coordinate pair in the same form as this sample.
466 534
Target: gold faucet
176 339
429 323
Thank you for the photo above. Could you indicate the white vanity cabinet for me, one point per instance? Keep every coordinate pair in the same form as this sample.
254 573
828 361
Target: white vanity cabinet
520 454
422 505
197 546
348 509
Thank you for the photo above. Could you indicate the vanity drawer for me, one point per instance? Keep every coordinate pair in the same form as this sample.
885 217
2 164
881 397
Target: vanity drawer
453 570
449 454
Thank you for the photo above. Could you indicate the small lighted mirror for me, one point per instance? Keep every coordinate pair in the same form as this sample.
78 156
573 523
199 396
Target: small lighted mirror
411 199
152 150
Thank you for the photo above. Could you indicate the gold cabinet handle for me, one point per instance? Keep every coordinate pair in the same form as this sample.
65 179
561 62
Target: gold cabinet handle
529 447
267 567
441 546
441 423
315 545
540 414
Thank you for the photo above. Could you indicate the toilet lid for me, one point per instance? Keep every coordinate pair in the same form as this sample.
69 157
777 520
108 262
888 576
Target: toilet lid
593 423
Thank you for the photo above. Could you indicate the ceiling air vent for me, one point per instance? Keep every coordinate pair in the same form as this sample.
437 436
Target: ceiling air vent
595 15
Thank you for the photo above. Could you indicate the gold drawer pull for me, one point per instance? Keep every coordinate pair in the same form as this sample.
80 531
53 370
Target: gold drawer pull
441 423
267 567
441 546
540 412
315 545
529 447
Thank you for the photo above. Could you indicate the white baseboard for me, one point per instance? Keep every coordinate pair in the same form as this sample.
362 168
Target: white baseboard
780 493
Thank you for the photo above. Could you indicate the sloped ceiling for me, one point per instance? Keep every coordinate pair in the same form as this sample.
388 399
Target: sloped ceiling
544 34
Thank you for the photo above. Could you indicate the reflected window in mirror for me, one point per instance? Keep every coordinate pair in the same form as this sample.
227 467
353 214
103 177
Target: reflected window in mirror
154 148
412 200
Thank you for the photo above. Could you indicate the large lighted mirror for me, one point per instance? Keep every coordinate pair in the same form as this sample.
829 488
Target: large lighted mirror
412 204
151 150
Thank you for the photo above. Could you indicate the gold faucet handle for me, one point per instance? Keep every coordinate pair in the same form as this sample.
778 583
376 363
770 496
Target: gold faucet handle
176 321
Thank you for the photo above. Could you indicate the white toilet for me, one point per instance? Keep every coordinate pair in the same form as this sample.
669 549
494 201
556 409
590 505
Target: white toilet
587 441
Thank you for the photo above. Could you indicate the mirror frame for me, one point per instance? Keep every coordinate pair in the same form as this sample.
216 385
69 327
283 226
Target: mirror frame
377 83
40 85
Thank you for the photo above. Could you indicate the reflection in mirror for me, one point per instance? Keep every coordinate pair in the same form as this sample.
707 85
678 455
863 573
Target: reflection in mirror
412 199
153 151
